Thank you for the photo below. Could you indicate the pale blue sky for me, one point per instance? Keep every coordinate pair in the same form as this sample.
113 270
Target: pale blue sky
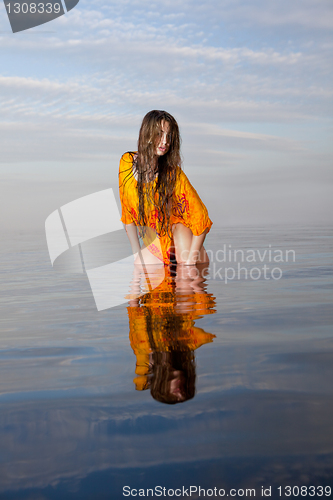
250 83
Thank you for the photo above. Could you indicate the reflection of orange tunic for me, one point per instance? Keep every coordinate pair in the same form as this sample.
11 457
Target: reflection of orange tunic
169 329
187 208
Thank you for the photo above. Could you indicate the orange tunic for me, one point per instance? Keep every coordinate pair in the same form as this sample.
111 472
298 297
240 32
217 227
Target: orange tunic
187 207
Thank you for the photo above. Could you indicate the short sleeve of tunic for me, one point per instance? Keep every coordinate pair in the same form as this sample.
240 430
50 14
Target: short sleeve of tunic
127 190
188 207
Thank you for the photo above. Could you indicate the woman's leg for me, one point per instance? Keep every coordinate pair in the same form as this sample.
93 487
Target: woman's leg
183 238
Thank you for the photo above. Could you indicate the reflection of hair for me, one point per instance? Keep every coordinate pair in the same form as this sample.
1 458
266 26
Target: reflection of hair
150 132
164 364
177 357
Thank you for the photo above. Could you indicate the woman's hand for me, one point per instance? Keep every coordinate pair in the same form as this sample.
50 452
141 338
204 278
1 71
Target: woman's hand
190 263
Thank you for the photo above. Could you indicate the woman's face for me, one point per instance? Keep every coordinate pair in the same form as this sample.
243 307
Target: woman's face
163 142
177 385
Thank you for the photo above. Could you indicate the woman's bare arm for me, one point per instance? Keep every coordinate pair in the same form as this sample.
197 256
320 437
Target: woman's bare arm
132 234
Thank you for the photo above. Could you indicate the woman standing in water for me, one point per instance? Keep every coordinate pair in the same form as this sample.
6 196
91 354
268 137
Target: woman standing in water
158 199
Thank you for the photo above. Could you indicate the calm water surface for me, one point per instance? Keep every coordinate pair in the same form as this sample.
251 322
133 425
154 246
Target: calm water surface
247 364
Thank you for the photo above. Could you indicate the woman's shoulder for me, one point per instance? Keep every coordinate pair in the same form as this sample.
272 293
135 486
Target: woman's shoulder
181 176
128 157
126 164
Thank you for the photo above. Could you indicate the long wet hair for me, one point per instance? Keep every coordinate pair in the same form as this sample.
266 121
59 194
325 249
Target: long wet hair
178 355
158 195
164 365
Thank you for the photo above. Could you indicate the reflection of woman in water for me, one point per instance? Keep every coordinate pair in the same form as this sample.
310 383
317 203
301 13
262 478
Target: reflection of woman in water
163 336
155 193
